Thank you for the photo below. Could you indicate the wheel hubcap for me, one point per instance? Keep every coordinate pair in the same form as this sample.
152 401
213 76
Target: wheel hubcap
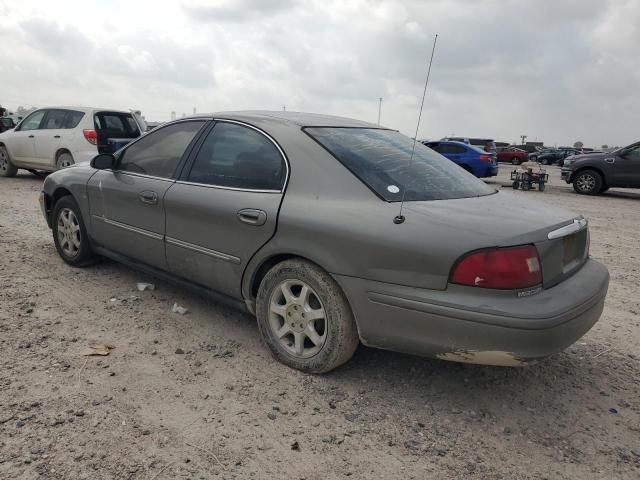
68 232
586 183
297 318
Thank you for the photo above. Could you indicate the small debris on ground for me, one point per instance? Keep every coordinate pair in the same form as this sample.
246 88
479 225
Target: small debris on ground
179 309
145 286
96 350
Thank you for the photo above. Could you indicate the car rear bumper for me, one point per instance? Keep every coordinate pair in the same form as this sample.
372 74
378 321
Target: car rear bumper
476 325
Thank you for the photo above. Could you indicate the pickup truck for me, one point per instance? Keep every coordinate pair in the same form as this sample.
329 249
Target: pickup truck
595 173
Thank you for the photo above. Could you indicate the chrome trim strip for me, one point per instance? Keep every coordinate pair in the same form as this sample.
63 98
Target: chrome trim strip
577 225
135 174
183 182
129 228
203 250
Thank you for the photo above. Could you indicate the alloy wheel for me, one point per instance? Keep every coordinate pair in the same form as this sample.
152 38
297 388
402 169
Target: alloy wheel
586 182
297 318
69 237
4 161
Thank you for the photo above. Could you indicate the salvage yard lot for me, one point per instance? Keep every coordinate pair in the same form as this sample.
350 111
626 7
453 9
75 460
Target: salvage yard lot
224 409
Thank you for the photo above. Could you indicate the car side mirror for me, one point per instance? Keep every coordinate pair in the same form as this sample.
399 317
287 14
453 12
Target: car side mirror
103 161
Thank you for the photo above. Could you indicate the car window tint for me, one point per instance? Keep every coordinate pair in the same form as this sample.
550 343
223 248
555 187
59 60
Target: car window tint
116 125
456 149
32 122
54 119
381 159
435 147
238 157
6 122
72 119
158 153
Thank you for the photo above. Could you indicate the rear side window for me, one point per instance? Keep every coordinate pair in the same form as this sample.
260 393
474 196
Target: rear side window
382 160
73 119
158 153
116 125
448 148
235 156
54 119
6 122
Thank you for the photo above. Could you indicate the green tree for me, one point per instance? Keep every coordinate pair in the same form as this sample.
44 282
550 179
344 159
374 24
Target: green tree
578 144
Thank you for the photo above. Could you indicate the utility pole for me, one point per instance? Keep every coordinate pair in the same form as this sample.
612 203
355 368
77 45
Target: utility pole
284 108
523 137
194 110
379 109
173 115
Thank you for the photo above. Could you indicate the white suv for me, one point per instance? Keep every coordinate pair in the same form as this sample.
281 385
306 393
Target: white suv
53 138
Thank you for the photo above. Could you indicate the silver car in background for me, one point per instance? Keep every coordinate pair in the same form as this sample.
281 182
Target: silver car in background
293 217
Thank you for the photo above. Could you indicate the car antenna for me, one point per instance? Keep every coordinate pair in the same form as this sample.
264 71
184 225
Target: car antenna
398 219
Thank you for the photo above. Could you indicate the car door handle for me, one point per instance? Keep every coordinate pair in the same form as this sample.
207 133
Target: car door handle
148 197
31 136
56 136
252 216
610 160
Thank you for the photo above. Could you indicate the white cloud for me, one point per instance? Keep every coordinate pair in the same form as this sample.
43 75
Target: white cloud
558 70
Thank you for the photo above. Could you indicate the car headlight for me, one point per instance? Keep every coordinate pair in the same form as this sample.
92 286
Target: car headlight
568 162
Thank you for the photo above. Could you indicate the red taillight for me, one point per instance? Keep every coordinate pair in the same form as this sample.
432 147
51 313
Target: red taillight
485 158
91 135
504 268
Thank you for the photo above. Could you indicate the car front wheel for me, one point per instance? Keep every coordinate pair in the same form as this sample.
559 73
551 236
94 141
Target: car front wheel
516 161
304 317
587 182
69 233
7 169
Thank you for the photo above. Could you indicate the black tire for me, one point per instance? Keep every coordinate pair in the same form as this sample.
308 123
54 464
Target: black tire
515 184
587 182
338 325
7 169
544 161
516 161
541 187
604 188
76 255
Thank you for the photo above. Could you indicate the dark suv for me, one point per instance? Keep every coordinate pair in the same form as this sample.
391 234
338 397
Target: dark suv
6 123
595 173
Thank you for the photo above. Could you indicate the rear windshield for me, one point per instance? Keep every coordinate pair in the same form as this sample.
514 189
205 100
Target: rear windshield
381 159
116 125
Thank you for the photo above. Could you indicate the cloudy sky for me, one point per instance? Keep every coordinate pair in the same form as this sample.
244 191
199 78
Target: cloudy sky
556 70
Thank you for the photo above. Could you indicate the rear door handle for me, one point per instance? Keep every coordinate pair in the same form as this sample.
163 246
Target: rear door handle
148 197
56 136
31 136
252 216
610 160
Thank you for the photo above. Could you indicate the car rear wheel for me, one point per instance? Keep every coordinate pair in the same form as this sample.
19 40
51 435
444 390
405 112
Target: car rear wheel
304 317
69 233
64 160
587 182
516 161
7 169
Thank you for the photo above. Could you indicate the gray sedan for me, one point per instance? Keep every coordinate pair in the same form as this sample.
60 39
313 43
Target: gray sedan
296 218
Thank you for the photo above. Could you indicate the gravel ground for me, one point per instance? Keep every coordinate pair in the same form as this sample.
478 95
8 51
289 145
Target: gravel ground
198 396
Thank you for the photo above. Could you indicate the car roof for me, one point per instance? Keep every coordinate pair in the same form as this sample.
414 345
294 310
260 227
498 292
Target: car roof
451 142
82 109
301 119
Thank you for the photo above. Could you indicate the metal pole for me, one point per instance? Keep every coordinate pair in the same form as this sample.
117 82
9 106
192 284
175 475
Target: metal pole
379 109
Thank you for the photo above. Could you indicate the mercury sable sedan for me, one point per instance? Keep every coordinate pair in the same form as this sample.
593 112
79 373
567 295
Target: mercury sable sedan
332 233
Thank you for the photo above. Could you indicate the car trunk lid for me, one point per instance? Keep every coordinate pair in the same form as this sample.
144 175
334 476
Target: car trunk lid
115 130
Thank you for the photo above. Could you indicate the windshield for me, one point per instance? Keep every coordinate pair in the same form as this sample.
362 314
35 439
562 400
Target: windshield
381 159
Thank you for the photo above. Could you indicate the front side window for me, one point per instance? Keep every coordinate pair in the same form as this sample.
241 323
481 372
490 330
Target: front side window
235 156
158 153
381 159
32 122
54 119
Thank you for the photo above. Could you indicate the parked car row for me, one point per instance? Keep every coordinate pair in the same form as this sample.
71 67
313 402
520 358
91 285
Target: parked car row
52 138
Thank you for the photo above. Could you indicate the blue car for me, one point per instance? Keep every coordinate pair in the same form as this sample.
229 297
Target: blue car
473 159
